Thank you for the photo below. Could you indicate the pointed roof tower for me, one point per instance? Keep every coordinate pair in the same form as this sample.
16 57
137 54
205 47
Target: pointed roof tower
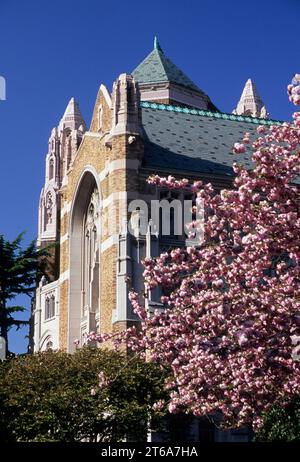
156 67
72 117
250 103
157 73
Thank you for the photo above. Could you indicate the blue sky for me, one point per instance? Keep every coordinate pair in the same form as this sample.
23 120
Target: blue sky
53 50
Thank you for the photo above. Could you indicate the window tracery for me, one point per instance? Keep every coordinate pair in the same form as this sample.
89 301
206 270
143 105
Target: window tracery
90 260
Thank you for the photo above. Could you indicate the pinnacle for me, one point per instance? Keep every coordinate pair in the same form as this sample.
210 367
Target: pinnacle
72 117
157 45
250 102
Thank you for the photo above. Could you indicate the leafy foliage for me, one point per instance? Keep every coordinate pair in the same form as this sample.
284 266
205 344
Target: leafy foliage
56 396
281 423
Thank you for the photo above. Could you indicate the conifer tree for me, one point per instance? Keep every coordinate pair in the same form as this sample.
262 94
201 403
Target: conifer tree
19 271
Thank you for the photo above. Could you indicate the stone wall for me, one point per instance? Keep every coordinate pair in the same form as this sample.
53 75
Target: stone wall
114 162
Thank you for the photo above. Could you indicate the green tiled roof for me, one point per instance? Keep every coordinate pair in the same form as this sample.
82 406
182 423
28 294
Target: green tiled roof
192 140
157 68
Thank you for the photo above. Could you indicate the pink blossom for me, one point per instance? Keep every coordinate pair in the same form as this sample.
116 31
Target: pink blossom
103 381
239 148
232 303
159 405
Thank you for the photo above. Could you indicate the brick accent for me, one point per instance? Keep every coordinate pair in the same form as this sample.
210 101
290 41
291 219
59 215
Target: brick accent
64 256
107 288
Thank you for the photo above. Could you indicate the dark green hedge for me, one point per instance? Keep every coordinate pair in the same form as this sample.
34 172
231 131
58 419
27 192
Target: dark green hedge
47 396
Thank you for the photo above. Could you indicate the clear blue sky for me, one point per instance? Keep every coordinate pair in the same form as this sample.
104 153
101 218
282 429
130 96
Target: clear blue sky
52 50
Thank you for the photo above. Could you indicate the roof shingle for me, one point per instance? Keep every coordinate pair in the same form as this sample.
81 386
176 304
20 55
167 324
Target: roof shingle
193 140
157 68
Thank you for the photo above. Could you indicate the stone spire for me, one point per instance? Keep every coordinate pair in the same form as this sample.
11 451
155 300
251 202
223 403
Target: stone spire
72 117
250 103
70 130
62 147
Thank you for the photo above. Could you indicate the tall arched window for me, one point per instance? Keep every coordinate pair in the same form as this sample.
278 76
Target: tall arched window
90 260
51 168
47 306
52 306
48 210
84 300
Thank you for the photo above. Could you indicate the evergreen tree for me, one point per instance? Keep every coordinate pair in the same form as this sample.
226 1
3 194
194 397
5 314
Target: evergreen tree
19 271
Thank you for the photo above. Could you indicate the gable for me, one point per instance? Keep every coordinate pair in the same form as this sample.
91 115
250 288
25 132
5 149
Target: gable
102 111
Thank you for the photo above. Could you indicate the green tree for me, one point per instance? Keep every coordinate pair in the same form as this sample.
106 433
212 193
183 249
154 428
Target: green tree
281 423
19 270
56 396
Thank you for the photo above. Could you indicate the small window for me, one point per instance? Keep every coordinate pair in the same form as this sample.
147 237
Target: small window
170 219
50 307
51 168
47 303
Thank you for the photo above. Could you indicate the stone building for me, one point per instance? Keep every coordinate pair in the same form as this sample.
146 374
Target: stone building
155 120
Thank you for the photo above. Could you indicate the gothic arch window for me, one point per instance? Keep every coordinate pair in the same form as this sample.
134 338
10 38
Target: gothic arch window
48 210
175 219
84 300
47 344
90 257
51 168
67 149
49 307
52 306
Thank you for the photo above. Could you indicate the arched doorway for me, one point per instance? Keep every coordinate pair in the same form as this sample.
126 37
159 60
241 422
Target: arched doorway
84 289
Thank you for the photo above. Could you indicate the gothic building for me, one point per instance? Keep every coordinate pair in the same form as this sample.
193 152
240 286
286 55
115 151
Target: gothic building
155 120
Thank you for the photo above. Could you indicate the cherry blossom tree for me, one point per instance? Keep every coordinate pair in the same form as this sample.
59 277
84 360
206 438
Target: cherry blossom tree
232 303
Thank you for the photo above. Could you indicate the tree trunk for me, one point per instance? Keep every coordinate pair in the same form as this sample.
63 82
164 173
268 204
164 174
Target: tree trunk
4 325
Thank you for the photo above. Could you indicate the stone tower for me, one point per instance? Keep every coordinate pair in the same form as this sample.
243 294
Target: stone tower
62 147
161 81
250 103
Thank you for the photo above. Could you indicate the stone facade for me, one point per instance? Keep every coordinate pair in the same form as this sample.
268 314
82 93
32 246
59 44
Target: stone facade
107 160
91 178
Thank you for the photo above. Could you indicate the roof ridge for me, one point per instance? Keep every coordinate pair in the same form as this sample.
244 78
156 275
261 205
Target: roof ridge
147 72
160 52
157 45
216 115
